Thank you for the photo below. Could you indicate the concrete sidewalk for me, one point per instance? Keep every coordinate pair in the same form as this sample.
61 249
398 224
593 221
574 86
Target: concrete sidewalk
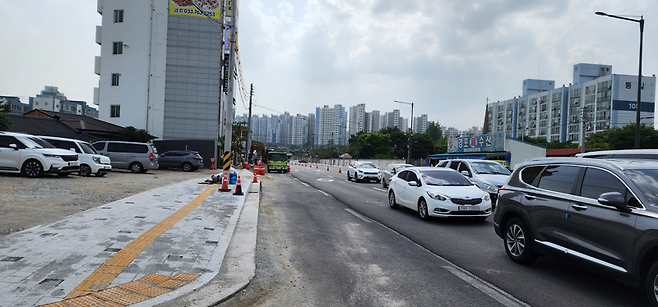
186 242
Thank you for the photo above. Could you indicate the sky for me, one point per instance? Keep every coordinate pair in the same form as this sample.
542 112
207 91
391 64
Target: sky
448 57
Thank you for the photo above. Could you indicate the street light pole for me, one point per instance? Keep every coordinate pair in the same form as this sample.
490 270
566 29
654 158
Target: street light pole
412 128
639 75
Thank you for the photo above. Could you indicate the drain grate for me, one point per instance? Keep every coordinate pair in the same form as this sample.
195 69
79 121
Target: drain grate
140 217
11 259
112 250
174 257
208 228
48 234
100 219
106 208
212 242
125 231
130 203
52 282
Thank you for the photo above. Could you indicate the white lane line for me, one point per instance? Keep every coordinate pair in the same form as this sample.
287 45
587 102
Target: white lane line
304 183
380 189
363 218
323 192
487 288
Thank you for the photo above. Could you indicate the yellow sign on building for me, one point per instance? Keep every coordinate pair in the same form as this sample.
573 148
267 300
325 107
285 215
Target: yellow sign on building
199 8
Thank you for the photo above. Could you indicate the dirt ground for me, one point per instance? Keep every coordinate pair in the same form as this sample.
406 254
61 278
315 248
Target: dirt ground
28 202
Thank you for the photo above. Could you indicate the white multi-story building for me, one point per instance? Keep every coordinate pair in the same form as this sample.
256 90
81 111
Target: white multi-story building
597 100
160 68
299 128
420 123
330 126
357 120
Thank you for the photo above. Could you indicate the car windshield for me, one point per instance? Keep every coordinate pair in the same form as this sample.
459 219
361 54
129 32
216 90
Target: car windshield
366 165
278 157
444 178
33 142
489 168
647 181
88 149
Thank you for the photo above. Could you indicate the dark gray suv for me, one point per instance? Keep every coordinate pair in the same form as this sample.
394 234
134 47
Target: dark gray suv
600 214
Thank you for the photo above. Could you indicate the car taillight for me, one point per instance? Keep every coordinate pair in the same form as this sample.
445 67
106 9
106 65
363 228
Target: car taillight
501 190
151 157
198 159
389 179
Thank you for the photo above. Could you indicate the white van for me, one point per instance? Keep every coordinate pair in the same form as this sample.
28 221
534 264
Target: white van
91 162
635 154
137 157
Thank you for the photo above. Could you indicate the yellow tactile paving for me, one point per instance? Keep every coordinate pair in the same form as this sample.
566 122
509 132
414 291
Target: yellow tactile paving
106 273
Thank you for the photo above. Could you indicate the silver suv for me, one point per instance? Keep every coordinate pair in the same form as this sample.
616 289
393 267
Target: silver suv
31 156
599 214
487 175
137 157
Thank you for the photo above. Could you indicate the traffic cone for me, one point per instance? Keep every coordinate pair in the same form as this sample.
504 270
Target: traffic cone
339 170
238 188
316 166
224 187
327 168
255 178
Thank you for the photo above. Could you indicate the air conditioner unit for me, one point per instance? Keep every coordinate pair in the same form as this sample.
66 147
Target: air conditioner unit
588 127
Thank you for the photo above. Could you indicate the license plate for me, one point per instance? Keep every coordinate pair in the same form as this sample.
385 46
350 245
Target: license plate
469 208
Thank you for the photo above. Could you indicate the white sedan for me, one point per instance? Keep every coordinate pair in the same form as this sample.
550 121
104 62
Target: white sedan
438 192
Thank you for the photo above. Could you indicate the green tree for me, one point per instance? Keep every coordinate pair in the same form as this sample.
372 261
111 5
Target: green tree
399 141
622 138
132 134
4 120
422 146
434 131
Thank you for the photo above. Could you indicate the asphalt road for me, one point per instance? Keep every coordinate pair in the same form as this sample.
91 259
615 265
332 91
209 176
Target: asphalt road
473 246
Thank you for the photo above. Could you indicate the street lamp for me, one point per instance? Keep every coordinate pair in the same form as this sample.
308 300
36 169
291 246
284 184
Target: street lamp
412 128
639 75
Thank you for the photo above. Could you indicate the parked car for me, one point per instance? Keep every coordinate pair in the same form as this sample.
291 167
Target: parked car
31 156
137 157
362 171
594 213
391 170
487 175
186 160
651 154
91 162
438 192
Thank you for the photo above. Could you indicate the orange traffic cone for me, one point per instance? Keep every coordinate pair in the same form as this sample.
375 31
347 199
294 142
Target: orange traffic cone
238 188
339 170
255 178
327 168
316 166
224 187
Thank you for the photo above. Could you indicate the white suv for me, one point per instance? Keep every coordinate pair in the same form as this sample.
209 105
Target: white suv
91 162
31 156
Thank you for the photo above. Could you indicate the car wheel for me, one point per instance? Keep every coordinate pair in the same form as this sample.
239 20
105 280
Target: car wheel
136 167
391 200
85 170
518 242
187 167
422 209
32 169
651 284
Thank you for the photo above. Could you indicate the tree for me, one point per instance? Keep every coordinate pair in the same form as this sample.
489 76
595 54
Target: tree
399 141
434 131
132 134
4 120
623 138
422 146
541 141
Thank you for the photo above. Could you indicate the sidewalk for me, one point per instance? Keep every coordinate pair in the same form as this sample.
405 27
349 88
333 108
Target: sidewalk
186 242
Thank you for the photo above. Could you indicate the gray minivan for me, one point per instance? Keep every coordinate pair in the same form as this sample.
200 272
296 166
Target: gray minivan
137 157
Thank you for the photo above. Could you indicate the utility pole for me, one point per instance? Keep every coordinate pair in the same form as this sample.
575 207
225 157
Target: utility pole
251 94
231 17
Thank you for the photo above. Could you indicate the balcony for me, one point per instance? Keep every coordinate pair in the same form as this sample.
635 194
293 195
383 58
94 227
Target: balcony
97 65
99 6
98 34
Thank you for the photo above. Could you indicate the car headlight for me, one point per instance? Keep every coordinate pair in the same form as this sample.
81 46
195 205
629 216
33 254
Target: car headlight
486 197
96 159
437 196
52 156
360 170
490 187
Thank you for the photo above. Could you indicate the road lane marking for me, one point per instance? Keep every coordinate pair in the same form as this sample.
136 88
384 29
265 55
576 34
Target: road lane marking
108 271
323 192
380 189
304 184
485 287
359 215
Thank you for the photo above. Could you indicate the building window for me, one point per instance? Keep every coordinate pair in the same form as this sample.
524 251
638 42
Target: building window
115 79
117 48
115 111
118 16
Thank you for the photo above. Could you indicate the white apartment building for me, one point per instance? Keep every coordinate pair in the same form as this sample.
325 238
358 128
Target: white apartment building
330 126
357 120
160 68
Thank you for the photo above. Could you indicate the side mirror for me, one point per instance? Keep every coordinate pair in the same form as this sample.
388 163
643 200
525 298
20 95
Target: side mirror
614 199
72 149
14 146
466 173
413 183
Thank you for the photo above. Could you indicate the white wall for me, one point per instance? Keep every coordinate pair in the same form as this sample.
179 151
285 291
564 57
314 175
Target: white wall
523 151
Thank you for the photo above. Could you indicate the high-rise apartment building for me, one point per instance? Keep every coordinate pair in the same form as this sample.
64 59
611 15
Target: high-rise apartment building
420 123
357 118
330 126
597 100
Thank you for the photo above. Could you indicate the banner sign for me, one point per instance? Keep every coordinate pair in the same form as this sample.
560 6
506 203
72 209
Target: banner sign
623 105
204 8
477 143
226 72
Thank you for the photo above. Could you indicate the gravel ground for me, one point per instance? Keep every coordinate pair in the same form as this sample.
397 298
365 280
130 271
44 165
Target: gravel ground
28 202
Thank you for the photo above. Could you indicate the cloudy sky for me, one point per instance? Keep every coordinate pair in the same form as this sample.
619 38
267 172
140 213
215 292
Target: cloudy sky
446 56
